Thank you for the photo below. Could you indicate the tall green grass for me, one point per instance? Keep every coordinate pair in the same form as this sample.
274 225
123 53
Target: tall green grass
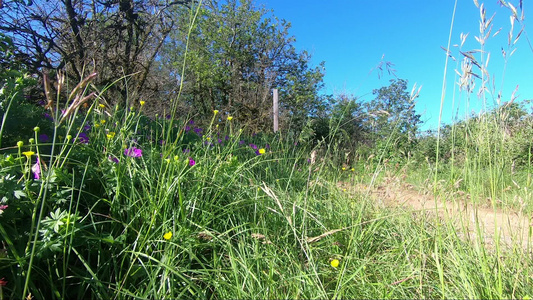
132 207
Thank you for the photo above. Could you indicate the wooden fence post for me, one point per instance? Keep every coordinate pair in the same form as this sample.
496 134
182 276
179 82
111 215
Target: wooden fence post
275 108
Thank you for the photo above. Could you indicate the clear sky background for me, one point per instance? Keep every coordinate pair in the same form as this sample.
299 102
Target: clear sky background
351 36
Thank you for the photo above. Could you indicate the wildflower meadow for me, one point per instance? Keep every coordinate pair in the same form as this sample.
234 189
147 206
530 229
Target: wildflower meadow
109 193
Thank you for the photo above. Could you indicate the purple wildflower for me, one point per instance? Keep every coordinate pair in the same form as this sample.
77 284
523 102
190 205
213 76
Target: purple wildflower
133 152
198 130
43 138
48 116
83 138
226 138
36 169
187 128
191 162
241 142
187 150
219 141
87 128
267 146
113 159
254 146
191 122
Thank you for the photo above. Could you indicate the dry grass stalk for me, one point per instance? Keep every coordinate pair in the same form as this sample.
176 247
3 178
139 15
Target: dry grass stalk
318 238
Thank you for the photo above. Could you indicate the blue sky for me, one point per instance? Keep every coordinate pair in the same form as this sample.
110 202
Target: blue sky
351 36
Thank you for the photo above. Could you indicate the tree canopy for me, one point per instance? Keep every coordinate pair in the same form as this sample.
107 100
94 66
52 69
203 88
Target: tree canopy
234 54
237 53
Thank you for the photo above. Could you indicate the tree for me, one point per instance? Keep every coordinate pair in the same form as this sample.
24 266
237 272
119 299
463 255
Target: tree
110 37
391 117
237 54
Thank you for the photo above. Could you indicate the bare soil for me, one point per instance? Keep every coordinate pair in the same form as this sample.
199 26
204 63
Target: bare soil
480 221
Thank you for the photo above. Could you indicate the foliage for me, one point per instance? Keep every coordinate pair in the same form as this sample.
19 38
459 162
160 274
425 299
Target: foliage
214 213
385 127
112 38
505 132
14 84
236 55
392 120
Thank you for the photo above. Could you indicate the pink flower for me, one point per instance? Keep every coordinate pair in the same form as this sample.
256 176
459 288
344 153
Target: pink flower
191 162
133 152
3 282
36 169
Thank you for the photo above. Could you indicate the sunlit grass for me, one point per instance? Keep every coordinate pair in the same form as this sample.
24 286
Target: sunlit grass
113 204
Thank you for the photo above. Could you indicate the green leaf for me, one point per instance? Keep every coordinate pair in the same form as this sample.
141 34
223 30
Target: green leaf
19 194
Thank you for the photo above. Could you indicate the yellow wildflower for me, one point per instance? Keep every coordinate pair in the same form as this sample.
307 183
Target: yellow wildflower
110 135
167 236
335 263
215 111
28 154
262 151
230 118
142 102
101 105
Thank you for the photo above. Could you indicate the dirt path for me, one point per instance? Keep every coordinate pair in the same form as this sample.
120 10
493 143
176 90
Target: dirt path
512 227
